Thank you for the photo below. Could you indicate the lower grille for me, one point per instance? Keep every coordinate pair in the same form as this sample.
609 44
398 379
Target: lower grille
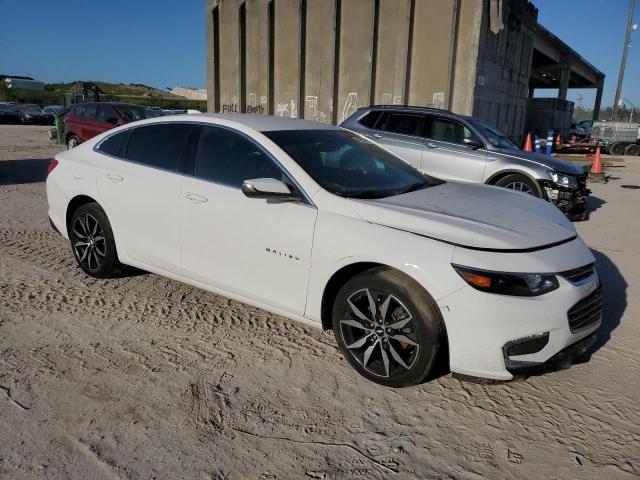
586 312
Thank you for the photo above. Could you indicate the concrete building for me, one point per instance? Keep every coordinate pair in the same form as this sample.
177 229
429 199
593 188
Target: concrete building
321 59
25 83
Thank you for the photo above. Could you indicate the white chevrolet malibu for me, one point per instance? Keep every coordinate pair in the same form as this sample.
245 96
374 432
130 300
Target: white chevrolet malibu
319 224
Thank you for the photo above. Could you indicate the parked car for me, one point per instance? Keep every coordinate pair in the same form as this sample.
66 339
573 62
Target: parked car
321 225
53 109
9 114
31 114
457 147
86 120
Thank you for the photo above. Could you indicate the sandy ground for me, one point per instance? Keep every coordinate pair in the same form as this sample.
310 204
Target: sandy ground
142 377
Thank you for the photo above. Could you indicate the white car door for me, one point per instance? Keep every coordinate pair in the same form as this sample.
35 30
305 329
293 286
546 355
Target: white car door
256 248
445 154
141 191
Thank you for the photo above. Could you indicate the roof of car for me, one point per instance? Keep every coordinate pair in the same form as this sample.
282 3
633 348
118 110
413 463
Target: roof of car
414 108
267 123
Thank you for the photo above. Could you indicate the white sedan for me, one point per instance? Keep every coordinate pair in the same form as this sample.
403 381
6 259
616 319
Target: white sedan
319 224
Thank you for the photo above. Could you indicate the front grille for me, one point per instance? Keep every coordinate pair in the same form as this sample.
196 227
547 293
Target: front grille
578 274
586 312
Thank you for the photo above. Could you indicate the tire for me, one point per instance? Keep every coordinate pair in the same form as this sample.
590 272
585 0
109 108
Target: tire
92 242
633 150
72 142
617 148
520 183
411 348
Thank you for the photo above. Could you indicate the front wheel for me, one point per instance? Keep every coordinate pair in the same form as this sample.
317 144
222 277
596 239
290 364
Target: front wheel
519 183
388 327
72 142
92 242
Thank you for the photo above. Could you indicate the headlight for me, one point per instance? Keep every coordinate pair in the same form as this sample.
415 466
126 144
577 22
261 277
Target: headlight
563 180
503 283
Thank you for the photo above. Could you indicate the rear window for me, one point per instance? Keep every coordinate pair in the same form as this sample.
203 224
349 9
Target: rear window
90 112
163 146
115 144
405 124
370 119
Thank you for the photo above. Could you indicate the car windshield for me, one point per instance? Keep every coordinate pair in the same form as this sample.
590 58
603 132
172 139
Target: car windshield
29 109
348 165
134 113
495 136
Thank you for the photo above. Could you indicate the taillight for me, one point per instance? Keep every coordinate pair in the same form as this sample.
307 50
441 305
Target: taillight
52 164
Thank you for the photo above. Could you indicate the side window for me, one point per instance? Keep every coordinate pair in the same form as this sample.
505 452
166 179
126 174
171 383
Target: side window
228 158
105 113
79 110
445 130
406 124
90 112
115 144
369 120
164 145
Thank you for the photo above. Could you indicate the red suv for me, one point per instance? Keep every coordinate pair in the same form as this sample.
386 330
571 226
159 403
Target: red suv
86 120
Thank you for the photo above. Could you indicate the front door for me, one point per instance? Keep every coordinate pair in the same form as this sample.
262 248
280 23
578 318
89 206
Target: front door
256 248
445 154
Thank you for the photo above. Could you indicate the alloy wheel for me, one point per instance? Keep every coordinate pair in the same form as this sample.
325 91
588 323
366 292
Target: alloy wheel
379 331
90 244
520 187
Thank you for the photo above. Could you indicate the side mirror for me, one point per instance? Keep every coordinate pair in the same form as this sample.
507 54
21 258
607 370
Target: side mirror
472 143
268 188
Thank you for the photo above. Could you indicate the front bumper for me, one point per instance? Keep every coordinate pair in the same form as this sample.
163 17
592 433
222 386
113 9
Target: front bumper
571 201
481 326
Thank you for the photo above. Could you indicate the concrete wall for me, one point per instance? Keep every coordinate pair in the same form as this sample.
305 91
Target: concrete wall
322 59
504 67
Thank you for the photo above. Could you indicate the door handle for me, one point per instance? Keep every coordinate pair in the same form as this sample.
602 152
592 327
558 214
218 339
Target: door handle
431 145
374 135
114 178
195 198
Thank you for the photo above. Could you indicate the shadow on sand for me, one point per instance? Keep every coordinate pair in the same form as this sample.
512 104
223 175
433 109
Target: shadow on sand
15 172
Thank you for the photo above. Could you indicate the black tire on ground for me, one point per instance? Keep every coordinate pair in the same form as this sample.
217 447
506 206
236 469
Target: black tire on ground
92 242
404 344
633 150
72 142
521 183
617 148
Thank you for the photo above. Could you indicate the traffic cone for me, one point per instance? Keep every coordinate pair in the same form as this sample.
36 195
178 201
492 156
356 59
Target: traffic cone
528 144
596 167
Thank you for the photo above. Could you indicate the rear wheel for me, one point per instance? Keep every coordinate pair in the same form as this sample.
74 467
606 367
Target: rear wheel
633 150
617 148
519 183
72 142
388 327
92 242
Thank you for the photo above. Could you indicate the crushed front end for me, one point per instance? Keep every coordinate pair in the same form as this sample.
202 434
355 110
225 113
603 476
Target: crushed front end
569 193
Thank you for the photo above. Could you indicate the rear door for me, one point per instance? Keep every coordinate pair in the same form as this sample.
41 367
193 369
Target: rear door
445 154
402 133
141 191
252 247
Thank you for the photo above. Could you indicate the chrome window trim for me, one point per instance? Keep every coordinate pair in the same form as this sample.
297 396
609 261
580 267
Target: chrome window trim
96 148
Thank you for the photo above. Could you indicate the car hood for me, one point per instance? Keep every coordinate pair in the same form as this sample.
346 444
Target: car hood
473 216
560 166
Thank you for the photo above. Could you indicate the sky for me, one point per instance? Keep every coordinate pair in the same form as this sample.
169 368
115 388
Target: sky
162 42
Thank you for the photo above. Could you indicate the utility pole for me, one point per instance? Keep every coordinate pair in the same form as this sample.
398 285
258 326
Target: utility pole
623 63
